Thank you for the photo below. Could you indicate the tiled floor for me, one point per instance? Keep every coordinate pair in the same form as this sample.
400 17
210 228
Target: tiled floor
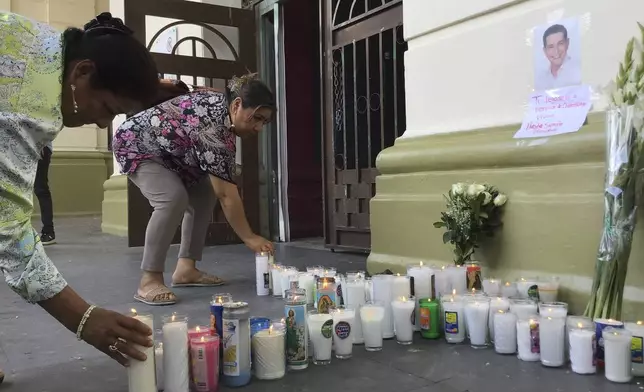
38 355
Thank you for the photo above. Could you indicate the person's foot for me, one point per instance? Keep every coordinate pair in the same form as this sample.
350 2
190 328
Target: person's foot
48 238
153 291
1 376
186 275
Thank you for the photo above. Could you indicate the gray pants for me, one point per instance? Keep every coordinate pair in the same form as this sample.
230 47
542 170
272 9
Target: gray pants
171 201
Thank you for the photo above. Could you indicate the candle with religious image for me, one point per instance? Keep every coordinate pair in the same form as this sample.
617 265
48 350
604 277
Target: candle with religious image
216 311
297 340
637 356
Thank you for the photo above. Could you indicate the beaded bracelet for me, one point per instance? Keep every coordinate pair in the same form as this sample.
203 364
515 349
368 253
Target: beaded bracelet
79 331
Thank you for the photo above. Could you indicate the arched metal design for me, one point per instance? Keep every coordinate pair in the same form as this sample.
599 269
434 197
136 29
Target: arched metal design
343 12
203 25
194 40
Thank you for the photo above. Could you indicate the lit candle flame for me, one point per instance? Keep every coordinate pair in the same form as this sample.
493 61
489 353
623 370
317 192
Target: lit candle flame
443 268
473 290
198 329
454 292
270 330
173 317
523 280
324 284
639 323
398 274
507 284
421 263
579 325
203 338
404 299
283 320
133 312
501 311
549 318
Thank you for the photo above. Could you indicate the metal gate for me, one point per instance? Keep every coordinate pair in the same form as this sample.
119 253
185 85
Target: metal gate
364 109
206 67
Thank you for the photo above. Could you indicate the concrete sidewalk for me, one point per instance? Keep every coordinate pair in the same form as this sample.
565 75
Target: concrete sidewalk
39 355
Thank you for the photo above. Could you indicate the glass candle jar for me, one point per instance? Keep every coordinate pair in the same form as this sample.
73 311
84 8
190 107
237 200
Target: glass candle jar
637 329
236 347
403 311
276 279
320 327
553 309
175 360
523 308
582 341
474 280
326 294
296 332
343 326
383 293
497 304
372 316
429 319
454 314
551 340
617 354
268 350
477 311
528 346
216 311
508 290
577 322
492 287
505 331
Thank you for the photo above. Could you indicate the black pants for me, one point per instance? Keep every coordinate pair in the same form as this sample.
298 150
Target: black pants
41 189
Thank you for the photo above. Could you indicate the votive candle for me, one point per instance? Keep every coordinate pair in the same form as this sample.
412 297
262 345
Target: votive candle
528 339
523 308
372 315
458 278
383 293
551 340
453 311
141 374
204 358
343 321
477 311
508 290
320 327
637 360
403 311
582 349
617 354
492 287
175 358
268 353
505 332
497 304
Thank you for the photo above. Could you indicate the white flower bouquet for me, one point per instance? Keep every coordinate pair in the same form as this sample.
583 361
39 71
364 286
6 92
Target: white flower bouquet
624 144
473 212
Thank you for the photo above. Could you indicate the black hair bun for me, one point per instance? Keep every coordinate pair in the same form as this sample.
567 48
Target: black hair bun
105 24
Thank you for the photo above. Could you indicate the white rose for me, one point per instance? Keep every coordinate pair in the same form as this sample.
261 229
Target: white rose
488 198
458 188
475 190
500 200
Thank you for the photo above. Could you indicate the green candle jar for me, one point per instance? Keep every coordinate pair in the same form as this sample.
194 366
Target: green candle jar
429 322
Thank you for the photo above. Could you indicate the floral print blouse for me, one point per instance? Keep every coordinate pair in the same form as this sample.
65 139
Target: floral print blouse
189 135
31 69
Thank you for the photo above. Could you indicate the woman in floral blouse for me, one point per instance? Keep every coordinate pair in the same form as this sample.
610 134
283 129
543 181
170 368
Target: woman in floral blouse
47 80
181 155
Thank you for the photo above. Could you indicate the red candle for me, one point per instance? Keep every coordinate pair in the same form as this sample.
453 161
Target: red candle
204 358
197 332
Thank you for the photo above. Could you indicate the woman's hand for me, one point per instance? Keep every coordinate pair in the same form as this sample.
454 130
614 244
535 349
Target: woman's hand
260 244
105 328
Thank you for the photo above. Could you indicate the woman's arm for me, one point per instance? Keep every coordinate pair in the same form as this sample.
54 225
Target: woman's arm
233 207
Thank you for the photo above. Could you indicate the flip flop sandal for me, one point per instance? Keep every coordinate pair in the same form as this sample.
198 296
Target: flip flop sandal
149 297
204 281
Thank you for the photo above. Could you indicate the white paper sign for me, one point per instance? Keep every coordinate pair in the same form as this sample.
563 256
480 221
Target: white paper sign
554 112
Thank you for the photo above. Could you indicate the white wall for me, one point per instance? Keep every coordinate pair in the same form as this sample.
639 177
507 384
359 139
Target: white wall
469 63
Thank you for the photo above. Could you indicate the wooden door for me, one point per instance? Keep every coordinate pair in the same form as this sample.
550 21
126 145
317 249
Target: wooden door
208 58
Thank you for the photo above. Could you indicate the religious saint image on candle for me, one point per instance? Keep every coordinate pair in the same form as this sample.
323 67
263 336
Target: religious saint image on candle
295 336
557 54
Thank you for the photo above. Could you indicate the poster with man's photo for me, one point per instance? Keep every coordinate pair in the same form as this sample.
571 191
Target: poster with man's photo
557 54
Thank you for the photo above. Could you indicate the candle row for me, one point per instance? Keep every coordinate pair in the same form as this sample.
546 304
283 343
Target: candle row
545 290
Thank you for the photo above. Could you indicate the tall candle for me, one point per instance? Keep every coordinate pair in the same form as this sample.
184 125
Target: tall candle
306 281
216 311
320 326
477 311
505 332
403 312
204 354
262 277
528 339
553 309
383 293
372 316
582 349
578 322
551 340
269 355
343 322
285 276
401 286
548 289
326 294
637 360
453 311
236 344
492 287
617 354
368 289
600 325
508 290
175 358
497 304
354 275
523 308
141 374
297 357
276 277
158 359
355 299
341 290
441 281
458 278
524 286
422 278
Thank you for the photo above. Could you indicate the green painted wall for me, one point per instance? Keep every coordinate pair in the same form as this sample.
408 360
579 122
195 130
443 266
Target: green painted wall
76 181
552 220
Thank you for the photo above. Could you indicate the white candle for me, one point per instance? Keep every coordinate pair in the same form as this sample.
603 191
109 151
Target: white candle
383 293
276 275
497 304
523 308
343 321
355 299
441 281
422 278
285 276
268 349
548 290
617 354
528 339
553 309
637 360
508 290
582 350
551 340
329 272
158 360
368 289
523 287
142 374
453 311
403 311
400 287
492 287
175 358
458 278
505 332
577 322
341 282
477 311
372 316
321 334
306 281
262 278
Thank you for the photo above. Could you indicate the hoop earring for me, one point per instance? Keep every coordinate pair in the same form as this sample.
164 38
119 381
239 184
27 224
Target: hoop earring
74 99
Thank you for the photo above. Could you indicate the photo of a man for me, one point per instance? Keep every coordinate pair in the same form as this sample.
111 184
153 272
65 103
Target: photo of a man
557 55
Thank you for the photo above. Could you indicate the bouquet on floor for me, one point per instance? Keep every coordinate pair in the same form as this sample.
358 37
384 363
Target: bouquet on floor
622 190
473 212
